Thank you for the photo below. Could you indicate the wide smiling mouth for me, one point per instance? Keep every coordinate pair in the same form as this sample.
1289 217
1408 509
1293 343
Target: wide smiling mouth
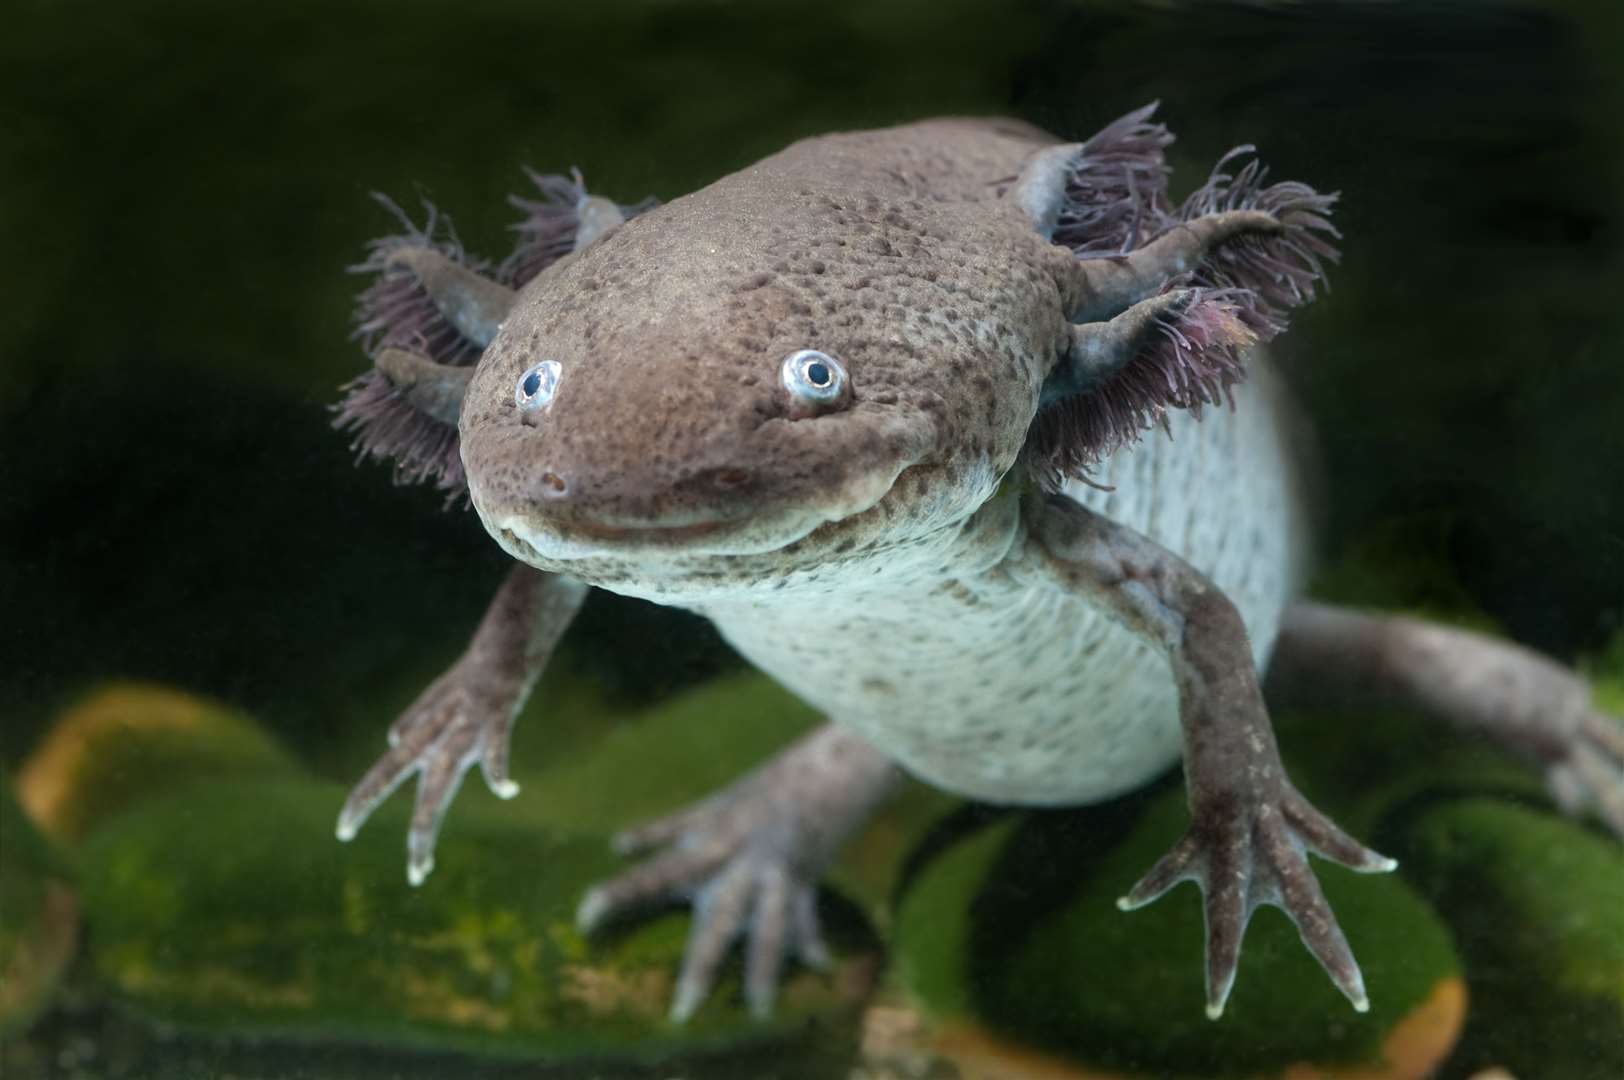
548 538
579 539
671 534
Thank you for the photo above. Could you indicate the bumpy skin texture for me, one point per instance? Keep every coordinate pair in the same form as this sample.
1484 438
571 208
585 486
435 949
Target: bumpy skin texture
896 554
890 250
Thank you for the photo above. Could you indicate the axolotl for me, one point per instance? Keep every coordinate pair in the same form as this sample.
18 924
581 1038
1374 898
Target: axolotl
965 435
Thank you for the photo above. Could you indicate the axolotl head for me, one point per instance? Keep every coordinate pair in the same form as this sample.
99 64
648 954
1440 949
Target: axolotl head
718 387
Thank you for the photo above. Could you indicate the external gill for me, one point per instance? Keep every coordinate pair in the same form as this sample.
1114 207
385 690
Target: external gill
431 389
1180 349
430 311
1280 268
1159 324
1103 196
565 218
401 314
1106 287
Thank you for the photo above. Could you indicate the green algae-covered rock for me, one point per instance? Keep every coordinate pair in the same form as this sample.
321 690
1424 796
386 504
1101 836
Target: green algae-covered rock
1011 942
684 750
1537 904
129 741
659 759
1368 768
230 908
1605 670
39 916
1535 899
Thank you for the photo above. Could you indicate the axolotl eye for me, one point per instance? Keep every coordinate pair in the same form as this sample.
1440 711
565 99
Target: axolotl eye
537 386
815 377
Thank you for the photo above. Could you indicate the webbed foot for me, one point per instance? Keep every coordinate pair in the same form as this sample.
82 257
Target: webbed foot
1245 854
737 861
456 722
748 859
1590 774
466 715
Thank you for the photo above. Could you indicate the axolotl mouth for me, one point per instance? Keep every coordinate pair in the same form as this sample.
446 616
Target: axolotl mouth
519 535
543 539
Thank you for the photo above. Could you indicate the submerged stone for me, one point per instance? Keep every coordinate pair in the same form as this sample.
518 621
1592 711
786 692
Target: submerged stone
684 750
130 741
39 917
1011 943
1605 670
1534 899
1537 904
229 908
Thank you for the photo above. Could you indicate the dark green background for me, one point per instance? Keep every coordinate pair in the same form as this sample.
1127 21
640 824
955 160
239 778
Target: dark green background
182 185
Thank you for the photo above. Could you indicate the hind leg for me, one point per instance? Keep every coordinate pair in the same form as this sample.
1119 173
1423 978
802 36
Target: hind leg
748 859
1533 705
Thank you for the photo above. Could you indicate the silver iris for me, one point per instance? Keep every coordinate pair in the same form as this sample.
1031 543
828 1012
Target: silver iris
537 386
813 376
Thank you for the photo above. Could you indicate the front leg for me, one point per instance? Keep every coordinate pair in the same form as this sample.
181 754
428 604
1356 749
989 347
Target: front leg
466 715
1249 826
749 858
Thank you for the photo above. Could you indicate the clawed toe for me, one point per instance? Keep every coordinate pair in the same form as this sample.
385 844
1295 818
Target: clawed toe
1592 774
739 886
1176 866
673 875
1242 861
440 739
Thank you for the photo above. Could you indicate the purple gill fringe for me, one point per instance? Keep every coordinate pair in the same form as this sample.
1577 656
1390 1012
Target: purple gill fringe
547 230
1276 271
1186 360
1248 287
1117 192
394 311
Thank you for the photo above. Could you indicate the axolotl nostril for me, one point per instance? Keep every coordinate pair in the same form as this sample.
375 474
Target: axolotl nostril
963 434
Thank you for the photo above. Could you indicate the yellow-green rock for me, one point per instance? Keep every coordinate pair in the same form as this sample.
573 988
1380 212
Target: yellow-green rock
1011 942
39 917
130 741
230 908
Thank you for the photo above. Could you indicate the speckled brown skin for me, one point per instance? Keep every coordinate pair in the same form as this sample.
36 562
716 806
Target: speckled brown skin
883 549
890 250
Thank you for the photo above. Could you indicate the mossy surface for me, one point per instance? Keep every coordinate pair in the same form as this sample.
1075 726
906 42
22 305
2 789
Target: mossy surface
260 924
1367 766
1605 670
128 741
934 926
1537 903
656 761
38 916
1017 929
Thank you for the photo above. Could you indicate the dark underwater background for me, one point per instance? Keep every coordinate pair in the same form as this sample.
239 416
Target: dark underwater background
183 183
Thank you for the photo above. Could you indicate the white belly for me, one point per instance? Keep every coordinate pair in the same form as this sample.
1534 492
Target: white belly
1032 696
